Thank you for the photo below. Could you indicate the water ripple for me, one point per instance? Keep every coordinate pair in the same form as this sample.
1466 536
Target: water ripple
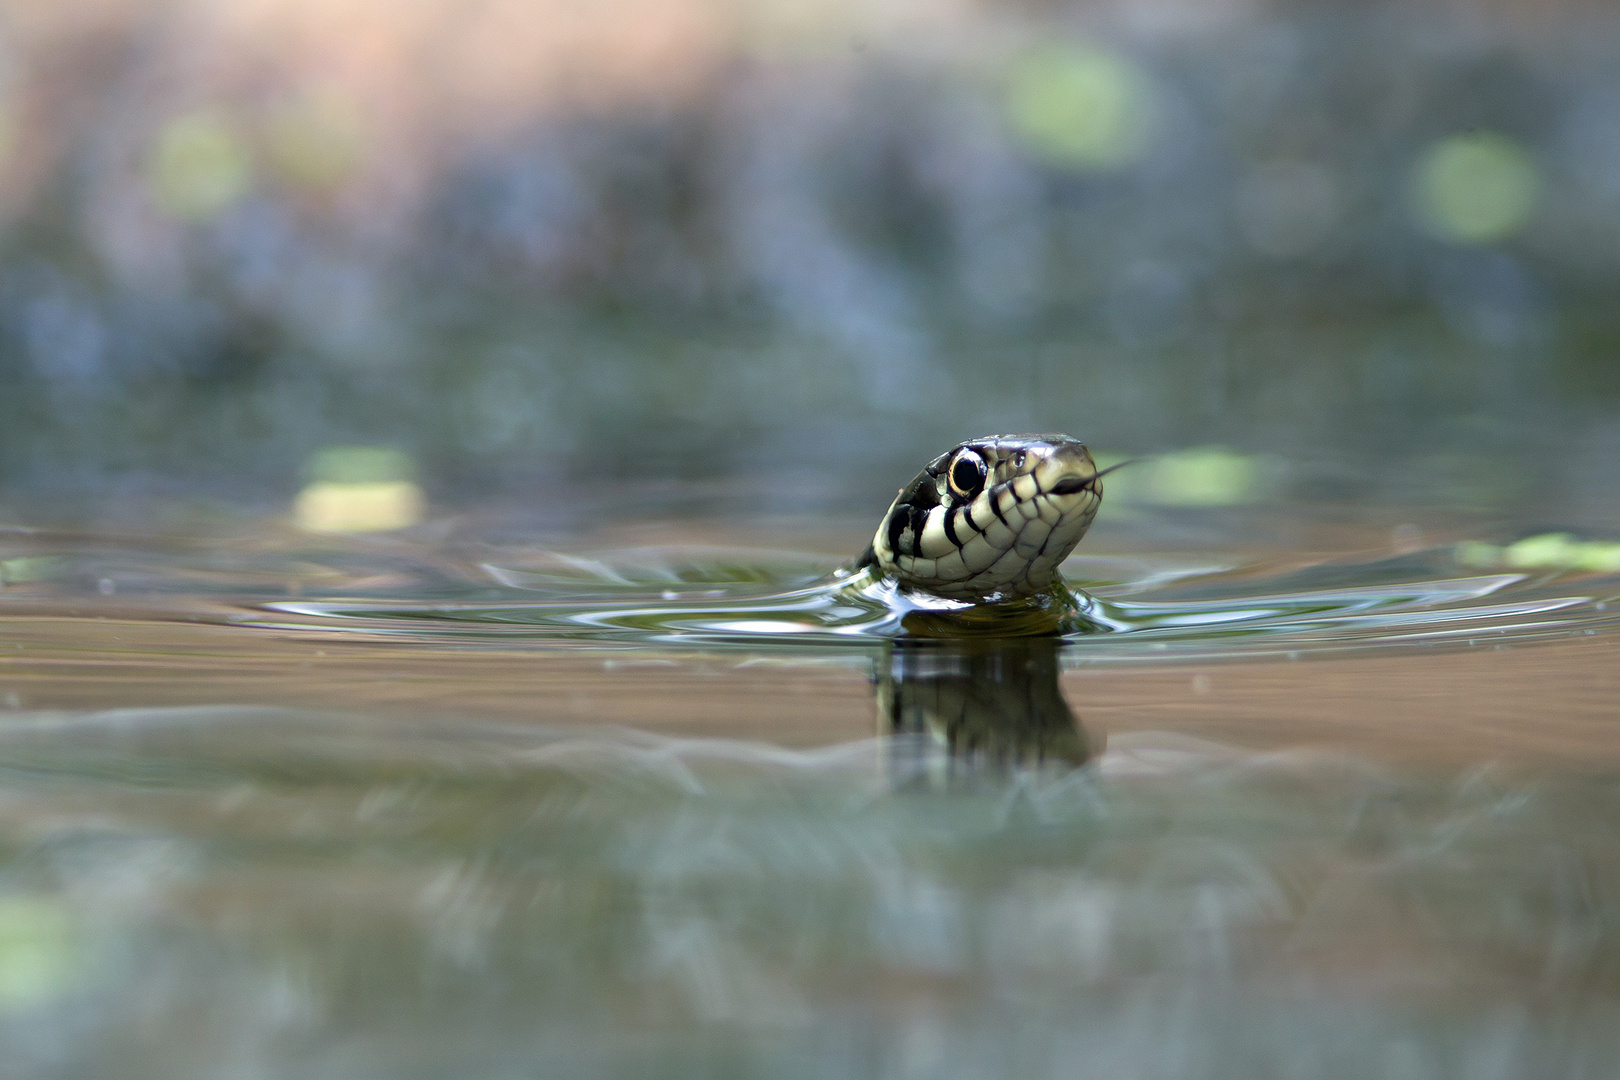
1123 609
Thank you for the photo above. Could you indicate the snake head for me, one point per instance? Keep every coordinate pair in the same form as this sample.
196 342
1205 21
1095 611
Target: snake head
991 518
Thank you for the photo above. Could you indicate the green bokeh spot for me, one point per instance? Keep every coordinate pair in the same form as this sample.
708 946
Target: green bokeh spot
28 568
1478 554
1545 551
1476 187
40 955
1202 476
359 465
1080 106
199 166
1560 551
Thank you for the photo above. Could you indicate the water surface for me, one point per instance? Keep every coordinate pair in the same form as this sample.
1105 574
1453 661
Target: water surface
278 805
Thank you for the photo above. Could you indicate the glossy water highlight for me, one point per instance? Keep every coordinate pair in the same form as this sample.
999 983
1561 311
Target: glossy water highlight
1122 608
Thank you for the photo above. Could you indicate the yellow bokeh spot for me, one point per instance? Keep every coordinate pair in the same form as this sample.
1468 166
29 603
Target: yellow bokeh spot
359 489
314 141
1476 187
366 507
40 956
1080 106
199 165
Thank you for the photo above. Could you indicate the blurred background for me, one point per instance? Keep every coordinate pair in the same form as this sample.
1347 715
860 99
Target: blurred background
793 247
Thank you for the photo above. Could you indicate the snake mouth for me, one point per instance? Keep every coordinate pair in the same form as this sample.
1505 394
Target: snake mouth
1074 485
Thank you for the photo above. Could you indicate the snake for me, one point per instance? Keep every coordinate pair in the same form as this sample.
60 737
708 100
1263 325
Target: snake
990 519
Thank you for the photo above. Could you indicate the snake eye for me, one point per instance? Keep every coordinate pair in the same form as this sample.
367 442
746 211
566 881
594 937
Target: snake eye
967 474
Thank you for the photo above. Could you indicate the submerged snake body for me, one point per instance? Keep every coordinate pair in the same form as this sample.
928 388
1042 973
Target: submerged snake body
991 519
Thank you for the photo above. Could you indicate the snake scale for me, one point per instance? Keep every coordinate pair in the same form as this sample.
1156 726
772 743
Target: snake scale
989 520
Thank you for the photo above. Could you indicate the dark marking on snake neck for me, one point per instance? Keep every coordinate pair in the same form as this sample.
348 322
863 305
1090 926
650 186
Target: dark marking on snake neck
897 525
995 504
919 518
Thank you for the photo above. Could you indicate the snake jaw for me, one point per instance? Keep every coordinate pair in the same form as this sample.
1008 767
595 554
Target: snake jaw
1003 539
1066 471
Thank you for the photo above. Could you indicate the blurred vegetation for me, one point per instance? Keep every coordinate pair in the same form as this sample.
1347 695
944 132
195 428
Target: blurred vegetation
532 246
